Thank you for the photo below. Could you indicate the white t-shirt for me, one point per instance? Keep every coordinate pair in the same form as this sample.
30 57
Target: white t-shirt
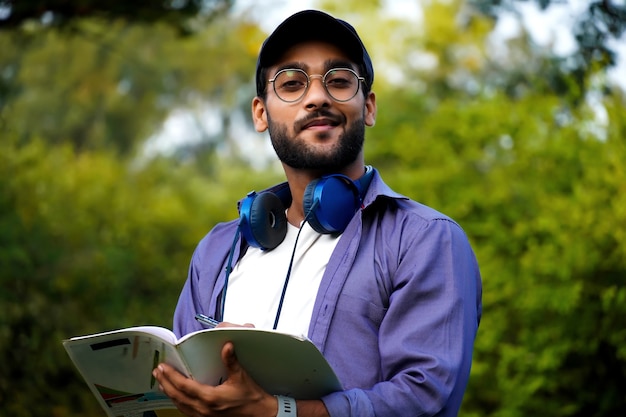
256 282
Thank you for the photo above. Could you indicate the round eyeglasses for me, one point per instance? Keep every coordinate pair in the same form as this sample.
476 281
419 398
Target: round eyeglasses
291 84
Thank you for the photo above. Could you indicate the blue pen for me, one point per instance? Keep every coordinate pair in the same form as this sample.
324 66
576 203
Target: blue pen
209 321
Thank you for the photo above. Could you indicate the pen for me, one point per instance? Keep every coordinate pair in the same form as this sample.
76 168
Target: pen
211 322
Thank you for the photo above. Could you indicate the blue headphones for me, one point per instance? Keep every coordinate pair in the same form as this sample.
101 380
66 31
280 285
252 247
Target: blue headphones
329 204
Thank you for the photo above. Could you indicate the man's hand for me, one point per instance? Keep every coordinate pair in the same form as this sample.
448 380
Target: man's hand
239 395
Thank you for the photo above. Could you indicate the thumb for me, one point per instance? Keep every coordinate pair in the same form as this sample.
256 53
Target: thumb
229 358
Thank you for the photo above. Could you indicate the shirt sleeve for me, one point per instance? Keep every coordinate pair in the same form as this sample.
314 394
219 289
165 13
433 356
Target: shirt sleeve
426 337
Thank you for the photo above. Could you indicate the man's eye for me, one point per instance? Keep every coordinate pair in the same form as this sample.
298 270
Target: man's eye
338 82
292 85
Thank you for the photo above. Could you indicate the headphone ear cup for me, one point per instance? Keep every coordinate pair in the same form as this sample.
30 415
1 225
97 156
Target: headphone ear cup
330 202
263 220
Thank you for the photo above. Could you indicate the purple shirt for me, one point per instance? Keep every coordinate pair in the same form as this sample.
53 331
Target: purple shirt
396 313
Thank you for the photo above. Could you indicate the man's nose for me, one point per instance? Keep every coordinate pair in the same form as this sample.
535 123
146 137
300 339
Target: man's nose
317 93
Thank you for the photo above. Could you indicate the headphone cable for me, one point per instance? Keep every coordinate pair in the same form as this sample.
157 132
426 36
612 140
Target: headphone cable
293 255
229 269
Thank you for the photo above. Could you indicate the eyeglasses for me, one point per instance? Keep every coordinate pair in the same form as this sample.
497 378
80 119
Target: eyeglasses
291 84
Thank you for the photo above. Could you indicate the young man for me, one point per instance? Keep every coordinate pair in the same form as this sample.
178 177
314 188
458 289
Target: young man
387 289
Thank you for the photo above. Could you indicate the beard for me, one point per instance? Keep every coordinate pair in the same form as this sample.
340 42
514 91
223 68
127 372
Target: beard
297 154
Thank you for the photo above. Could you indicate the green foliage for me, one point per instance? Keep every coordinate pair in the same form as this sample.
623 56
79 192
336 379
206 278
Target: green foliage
544 207
109 85
90 244
596 32
543 203
95 236
182 15
535 176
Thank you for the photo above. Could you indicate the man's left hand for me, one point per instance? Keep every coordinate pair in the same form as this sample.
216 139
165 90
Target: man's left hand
238 396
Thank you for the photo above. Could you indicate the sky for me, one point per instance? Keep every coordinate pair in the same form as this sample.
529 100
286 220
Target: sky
553 27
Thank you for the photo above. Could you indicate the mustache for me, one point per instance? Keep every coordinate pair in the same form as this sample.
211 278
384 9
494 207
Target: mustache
323 113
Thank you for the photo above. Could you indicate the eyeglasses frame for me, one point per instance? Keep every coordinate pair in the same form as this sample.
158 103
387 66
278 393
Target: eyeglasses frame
309 77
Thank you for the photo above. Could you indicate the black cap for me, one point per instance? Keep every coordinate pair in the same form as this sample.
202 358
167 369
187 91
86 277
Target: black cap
310 25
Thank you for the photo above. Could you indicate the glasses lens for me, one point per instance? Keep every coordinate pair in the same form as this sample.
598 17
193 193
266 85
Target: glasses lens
341 84
290 84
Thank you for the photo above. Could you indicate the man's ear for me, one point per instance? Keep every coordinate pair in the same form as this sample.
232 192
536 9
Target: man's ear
259 114
370 109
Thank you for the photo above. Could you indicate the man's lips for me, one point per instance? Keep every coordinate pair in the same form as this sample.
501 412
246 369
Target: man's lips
323 122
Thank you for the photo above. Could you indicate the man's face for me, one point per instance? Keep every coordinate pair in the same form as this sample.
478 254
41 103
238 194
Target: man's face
315 132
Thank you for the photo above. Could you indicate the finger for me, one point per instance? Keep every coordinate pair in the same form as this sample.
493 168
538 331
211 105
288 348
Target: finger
172 382
229 358
165 374
183 391
227 324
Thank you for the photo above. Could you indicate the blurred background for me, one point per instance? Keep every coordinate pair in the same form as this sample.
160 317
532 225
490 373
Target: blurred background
125 135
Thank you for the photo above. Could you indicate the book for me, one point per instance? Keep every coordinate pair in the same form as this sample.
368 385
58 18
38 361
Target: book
117 365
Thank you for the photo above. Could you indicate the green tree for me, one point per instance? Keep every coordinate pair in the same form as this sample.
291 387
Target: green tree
182 15
95 236
89 243
534 179
595 31
109 85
